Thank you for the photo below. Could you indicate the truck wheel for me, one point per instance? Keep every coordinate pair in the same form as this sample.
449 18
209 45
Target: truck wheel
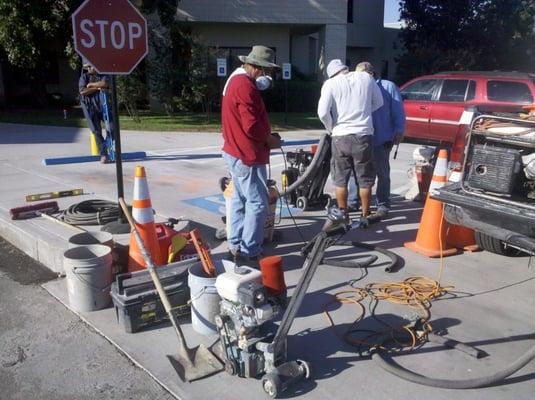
494 245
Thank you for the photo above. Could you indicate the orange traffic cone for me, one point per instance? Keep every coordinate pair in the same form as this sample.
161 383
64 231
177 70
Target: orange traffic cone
461 237
144 218
431 237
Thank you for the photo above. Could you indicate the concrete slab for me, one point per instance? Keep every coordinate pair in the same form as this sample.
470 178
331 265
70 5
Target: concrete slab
490 307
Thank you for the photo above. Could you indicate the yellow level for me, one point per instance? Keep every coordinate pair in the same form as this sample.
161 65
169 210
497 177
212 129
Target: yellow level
54 195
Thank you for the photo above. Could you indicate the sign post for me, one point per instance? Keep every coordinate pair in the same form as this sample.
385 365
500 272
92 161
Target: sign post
286 76
112 36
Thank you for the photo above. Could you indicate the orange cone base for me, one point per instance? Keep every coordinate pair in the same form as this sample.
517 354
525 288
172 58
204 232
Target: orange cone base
446 251
462 238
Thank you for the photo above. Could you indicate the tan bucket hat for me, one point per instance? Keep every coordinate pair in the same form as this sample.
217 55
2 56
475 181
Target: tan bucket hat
260 56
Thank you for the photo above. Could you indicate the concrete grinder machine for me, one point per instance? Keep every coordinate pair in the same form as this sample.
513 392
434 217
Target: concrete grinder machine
251 344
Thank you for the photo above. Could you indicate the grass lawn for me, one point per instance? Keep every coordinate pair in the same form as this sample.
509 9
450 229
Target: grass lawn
154 122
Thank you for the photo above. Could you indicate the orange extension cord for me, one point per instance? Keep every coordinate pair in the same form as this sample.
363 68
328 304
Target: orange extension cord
415 292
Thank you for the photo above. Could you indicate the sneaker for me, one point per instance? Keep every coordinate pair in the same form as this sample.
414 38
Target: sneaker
382 211
104 159
354 208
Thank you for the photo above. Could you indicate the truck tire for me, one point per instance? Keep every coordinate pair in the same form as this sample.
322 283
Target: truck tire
494 245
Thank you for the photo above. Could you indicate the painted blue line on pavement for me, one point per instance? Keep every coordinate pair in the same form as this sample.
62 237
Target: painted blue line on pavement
299 142
216 204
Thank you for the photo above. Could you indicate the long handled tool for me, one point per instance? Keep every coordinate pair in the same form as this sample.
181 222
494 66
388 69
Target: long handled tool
191 364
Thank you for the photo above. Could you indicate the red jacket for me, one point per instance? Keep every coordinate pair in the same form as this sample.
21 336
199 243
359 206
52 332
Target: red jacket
245 122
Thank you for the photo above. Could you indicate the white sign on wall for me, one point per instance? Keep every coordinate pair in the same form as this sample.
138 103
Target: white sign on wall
221 67
286 71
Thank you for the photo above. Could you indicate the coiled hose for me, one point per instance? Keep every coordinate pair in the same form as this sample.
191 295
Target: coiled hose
92 212
399 371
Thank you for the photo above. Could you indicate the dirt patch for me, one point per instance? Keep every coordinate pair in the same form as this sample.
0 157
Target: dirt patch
22 268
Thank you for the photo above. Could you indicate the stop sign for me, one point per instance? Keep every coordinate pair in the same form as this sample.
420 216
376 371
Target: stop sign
110 34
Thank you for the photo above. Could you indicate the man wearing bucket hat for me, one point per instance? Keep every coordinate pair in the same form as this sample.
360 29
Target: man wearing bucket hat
345 108
247 142
90 85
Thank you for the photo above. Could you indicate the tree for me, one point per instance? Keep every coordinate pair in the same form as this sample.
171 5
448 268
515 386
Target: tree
30 30
466 35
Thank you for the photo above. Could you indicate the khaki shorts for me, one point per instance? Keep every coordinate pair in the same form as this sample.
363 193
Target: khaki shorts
353 153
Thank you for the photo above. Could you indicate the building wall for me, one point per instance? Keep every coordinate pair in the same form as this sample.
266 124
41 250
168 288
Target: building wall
236 35
366 30
262 11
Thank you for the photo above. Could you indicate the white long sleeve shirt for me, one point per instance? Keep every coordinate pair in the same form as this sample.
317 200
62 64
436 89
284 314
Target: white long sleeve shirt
347 102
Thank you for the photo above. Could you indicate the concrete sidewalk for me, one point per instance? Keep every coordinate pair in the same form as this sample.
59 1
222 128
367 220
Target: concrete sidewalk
491 306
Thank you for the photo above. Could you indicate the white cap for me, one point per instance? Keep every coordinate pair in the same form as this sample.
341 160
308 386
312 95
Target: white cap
335 66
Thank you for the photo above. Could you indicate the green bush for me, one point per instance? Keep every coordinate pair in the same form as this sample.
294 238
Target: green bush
303 96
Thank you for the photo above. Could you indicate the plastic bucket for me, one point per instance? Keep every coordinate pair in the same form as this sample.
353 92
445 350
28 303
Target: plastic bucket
204 300
91 238
89 277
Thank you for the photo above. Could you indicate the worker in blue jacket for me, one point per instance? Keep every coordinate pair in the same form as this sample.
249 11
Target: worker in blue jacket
388 126
89 86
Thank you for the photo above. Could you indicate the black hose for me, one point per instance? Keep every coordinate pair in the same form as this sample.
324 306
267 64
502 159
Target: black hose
324 147
394 258
92 212
399 371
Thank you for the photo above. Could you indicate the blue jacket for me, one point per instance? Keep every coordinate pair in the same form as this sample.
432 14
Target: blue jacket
389 120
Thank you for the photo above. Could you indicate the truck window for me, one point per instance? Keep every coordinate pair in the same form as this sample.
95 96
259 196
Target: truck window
453 90
471 93
515 92
421 90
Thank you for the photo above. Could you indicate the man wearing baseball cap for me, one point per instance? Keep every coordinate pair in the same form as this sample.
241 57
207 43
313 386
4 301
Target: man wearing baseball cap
247 142
345 108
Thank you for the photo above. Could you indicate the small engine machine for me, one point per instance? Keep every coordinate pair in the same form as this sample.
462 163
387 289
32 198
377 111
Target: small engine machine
246 308
252 345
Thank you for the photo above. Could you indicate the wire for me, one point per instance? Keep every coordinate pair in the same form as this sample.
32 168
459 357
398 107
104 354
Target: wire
91 212
414 292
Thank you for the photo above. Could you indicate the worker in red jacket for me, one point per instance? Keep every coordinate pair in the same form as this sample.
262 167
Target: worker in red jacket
248 139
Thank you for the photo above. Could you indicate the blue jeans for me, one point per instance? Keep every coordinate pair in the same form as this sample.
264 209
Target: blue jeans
381 162
249 206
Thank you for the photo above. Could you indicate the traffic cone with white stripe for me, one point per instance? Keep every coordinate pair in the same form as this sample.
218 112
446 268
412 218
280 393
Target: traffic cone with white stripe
431 236
144 219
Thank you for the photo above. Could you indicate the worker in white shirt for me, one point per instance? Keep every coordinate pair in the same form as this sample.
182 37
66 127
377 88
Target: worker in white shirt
345 108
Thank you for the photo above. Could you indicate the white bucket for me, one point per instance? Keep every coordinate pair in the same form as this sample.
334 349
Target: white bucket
204 300
89 277
90 238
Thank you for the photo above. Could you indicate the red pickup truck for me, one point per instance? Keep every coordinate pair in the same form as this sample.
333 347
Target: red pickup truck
434 103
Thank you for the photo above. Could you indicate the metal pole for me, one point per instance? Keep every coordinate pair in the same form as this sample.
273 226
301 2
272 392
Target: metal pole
117 140
285 102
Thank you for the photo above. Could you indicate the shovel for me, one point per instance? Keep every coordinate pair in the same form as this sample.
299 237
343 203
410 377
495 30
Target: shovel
190 364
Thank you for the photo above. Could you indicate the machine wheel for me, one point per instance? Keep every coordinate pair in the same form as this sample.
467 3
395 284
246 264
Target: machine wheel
231 367
494 245
271 384
306 367
302 203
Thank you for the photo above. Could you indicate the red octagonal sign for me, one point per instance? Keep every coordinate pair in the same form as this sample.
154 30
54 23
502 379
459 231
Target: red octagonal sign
110 34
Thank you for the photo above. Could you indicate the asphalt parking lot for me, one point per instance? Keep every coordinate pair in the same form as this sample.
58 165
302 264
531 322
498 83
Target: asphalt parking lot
490 305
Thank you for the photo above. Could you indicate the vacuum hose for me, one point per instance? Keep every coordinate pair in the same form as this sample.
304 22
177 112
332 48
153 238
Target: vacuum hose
91 212
399 371
324 148
394 258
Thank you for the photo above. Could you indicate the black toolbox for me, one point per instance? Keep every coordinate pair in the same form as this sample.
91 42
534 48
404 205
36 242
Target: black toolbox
136 301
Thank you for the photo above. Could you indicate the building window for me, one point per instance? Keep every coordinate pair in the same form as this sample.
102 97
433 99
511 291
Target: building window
350 11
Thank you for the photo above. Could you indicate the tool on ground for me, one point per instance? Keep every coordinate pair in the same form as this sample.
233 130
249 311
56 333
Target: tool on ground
177 243
190 364
304 180
249 345
204 254
54 195
34 210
